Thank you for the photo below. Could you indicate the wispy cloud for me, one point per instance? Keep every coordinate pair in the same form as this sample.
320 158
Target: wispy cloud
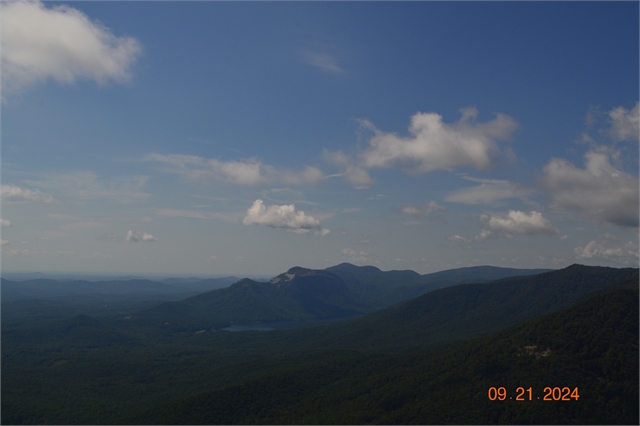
86 186
323 61
61 43
249 172
18 194
489 191
355 256
420 211
198 214
21 252
5 223
356 175
81 225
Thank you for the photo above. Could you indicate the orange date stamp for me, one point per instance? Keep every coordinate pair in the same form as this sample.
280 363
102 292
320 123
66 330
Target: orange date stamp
527 394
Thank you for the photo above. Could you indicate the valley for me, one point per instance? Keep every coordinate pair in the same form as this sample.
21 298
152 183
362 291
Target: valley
335 355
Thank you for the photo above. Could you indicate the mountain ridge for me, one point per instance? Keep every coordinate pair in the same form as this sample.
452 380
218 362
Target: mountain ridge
448 385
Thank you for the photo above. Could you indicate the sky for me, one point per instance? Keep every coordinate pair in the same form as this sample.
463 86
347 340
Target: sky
245 138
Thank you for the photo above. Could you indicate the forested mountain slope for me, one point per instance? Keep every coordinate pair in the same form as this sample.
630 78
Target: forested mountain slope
380 289
591 349
299 294
464 311
92 369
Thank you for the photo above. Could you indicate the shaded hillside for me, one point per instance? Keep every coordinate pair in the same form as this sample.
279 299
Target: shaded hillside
297 295
465 311
591 347
85 370
380 289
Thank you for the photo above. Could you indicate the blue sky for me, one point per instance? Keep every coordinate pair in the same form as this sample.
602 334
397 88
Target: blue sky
207 138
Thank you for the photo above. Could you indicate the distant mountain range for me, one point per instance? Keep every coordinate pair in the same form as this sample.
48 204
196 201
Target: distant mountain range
302 294
409 362
379 289
464 311
48 288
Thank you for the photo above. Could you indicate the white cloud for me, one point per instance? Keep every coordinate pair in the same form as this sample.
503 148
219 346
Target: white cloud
61 43
436 145
605 249
519 222
458 239
136 236
4 242
514 222
250 172
284 216
16 193
421 211
86 186
323 61
599 192
5 223
433 145
489 191
625 124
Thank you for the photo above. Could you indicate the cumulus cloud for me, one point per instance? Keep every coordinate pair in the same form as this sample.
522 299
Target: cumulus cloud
61 43
323 61
604 248
489 191
435 145
16 193
625 124
5 223
137 236
249 172
285 216
421 211
519 222
599 192
514 222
